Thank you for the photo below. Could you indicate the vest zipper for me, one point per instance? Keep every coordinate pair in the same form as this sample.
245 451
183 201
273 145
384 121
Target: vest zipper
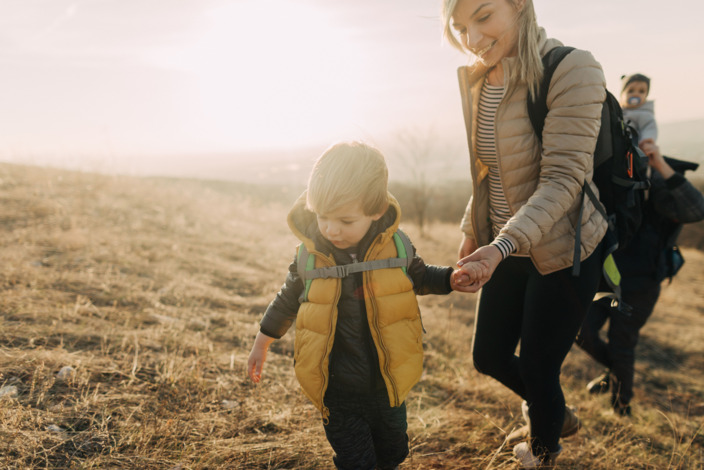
326 373
386 372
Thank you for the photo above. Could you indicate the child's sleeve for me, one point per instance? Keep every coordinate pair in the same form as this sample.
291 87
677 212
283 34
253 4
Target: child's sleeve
429 279
282 311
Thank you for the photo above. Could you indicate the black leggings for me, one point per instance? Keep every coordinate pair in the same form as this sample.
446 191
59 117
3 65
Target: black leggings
545 313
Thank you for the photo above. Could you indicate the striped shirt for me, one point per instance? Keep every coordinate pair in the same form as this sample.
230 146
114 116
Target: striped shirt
499 211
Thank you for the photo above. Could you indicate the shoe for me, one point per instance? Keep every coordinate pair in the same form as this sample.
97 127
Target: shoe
621 409
526 459
600 384
570 426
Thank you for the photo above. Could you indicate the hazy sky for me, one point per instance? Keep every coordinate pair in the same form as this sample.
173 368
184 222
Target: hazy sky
113 78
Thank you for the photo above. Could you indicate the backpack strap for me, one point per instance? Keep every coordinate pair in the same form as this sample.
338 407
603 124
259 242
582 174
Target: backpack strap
404 250
538 106
306 260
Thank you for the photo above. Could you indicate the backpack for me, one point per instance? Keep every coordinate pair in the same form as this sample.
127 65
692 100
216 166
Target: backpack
307 271
619 171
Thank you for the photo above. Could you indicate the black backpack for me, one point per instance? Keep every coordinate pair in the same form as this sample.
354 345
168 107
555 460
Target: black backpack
619 170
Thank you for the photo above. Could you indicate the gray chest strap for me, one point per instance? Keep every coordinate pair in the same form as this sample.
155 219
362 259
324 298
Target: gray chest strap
345 270
308 272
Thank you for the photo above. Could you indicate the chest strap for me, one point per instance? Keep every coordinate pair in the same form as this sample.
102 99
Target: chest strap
308 272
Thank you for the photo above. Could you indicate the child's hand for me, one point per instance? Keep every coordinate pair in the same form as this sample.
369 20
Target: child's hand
257 356
648 146
255 364
478 268
475 270
469 275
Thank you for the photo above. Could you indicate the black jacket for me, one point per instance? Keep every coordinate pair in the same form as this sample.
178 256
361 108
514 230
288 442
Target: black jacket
670 204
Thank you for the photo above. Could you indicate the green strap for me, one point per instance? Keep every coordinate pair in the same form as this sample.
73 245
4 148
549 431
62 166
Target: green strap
307 260
404 249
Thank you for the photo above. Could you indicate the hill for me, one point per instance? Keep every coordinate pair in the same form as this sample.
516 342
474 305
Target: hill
683 140
129 306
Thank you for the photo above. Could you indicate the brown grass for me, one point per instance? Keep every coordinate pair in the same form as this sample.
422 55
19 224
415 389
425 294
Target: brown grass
151 290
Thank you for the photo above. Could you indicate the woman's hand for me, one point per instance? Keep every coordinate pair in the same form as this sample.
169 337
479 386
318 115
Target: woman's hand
487 256
467 246
471 273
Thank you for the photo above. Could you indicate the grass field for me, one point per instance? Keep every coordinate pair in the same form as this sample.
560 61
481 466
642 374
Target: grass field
150 292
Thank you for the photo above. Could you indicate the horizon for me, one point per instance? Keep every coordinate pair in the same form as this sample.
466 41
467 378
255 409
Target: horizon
115 85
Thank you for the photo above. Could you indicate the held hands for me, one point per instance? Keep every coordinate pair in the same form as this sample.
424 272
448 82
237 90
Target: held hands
477 268
469 275
649 148
655 158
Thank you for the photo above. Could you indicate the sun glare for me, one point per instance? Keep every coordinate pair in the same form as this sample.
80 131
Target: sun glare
273 72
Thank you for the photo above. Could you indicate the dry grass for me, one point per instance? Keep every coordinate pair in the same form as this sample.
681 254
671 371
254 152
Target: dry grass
151 291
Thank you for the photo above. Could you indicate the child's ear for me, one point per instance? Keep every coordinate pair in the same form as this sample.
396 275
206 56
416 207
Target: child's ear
376 217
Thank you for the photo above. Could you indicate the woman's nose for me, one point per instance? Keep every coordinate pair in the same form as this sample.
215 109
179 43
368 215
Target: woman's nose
472 38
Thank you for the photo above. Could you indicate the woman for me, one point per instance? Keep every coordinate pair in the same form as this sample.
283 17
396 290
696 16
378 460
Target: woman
521 219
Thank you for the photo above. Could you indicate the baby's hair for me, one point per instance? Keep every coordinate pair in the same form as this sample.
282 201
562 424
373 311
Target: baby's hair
636 77
347 172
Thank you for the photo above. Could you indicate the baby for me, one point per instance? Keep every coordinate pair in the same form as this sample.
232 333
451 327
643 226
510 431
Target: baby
639 111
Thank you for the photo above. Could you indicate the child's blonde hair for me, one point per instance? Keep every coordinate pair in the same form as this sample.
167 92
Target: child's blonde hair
347 172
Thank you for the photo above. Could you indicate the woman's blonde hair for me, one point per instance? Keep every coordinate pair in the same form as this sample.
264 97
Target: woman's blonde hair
530 67
348 172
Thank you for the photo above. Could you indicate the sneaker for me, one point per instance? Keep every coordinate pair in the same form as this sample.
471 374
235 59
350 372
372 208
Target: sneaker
526 459
600 384
570 426
621 409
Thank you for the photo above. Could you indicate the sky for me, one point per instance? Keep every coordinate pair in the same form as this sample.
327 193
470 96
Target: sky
115 81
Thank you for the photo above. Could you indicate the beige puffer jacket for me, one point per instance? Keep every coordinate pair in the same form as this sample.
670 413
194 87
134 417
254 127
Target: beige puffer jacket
542 185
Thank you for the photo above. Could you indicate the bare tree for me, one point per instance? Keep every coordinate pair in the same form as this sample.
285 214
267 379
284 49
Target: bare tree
415 152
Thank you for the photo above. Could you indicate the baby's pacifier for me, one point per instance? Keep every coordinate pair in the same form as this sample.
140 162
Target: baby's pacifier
634 101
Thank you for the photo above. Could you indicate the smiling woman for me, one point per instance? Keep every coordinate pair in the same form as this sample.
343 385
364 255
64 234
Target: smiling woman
273 74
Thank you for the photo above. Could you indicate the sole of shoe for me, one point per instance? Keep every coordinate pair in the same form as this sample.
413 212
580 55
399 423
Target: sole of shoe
522 433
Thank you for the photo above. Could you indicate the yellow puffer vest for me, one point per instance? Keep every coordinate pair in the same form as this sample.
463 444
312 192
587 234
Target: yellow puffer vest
392 312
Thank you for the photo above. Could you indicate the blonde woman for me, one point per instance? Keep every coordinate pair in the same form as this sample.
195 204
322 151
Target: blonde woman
526 199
